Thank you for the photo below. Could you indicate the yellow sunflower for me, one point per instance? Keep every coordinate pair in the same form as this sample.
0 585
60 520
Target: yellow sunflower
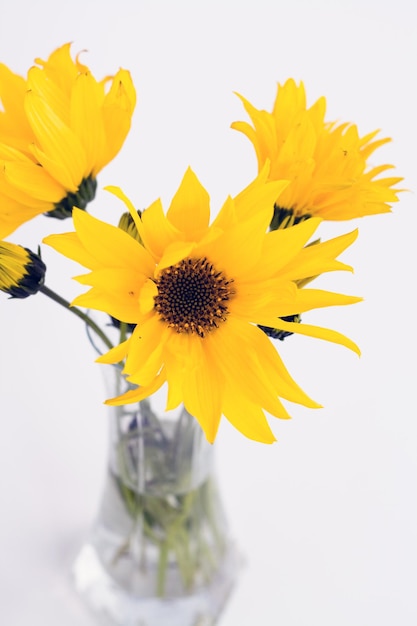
198 293
58 129
326 163
22 272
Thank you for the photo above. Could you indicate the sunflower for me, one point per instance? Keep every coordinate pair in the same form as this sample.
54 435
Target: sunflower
58 129
326 163
197 292
22 272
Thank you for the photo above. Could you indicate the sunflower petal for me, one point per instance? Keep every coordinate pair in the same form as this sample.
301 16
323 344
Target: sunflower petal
116 354
320 333
136 395
189 211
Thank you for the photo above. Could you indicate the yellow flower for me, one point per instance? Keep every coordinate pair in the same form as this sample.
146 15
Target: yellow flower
58 129
326 163
22 272
197 293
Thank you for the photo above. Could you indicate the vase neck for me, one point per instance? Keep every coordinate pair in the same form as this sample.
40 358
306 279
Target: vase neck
153 450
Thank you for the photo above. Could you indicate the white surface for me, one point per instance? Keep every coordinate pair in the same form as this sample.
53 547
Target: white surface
326 516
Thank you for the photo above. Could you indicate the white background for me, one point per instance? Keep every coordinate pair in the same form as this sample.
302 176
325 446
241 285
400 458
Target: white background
326 517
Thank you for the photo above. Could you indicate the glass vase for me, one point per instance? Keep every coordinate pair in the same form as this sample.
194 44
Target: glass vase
160 552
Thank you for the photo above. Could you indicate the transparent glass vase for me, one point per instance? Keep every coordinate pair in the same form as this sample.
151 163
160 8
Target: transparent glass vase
160 552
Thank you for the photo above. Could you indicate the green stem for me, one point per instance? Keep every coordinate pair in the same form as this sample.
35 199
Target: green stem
57 298
123 332
162 568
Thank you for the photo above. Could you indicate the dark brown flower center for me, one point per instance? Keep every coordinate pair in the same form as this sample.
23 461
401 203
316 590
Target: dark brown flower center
192 296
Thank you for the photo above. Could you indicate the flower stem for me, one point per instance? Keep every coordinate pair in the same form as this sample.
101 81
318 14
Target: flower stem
162 568
57 298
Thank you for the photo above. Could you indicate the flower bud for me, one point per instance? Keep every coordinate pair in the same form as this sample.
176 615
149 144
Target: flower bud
276 333
127 224
22 272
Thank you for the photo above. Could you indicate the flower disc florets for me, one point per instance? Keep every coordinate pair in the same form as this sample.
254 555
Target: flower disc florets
192 296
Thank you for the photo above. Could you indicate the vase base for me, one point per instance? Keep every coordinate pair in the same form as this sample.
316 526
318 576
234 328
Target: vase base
113 606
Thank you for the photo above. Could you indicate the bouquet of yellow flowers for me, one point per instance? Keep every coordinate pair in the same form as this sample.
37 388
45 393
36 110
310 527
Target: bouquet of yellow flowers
192 307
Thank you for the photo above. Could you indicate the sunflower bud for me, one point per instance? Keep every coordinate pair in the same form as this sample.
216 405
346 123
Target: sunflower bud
285 218
22 272
127 224
276 333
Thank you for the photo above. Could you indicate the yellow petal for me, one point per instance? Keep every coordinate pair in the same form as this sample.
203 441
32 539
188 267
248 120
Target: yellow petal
13 122
34 181
69 245
157 231
255 297
280 247
264 375
129 205
86 118
147 296
60 151
246 417
145 353
117 110
202 388
259 194
40 84
319 333
308 299
136 395
319 258
189 211
60 68
13 214
116 354
174 253
175 357
233 348
99 300
122 283
239 248
111 245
